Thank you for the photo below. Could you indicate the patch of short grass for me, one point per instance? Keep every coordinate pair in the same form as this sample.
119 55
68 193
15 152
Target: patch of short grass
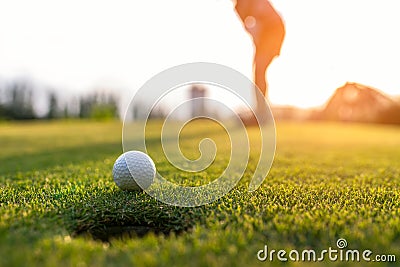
328 181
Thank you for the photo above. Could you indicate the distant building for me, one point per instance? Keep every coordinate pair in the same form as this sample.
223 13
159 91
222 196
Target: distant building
197 93
358 103
352 102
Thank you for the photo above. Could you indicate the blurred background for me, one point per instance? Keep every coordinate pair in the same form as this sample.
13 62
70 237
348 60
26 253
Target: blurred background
86 59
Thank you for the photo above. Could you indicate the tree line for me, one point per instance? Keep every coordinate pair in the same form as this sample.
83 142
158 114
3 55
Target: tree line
17 103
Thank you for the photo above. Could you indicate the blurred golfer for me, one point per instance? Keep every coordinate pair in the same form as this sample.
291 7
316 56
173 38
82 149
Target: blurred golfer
266 27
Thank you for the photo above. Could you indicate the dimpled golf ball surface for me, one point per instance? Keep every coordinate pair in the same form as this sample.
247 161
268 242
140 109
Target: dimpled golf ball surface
141 168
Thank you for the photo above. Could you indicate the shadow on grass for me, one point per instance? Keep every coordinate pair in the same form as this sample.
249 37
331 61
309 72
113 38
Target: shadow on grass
48 158
122 214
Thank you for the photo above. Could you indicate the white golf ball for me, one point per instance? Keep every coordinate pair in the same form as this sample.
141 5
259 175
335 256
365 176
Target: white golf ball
134 166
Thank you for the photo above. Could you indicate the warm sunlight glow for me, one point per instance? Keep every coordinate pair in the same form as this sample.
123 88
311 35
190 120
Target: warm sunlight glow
78 45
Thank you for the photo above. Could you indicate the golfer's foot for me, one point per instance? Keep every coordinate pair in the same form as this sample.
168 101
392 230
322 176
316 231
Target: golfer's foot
249 118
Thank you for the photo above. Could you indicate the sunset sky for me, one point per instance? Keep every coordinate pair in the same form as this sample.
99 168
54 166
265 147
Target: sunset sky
77 46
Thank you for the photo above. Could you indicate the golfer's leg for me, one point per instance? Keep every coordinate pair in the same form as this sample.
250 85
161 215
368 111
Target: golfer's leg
261 63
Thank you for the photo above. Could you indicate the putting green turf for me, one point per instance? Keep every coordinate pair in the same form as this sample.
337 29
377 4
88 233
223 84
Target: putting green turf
328 181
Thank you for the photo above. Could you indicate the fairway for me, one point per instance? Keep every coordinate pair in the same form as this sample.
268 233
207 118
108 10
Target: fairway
328 181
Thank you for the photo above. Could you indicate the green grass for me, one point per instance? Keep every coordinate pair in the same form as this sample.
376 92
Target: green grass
328 181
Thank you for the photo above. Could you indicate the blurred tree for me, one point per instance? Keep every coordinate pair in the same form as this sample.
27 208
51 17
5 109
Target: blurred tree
20 101
85 105
53 111
2 108
66 111
98 106
2 112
